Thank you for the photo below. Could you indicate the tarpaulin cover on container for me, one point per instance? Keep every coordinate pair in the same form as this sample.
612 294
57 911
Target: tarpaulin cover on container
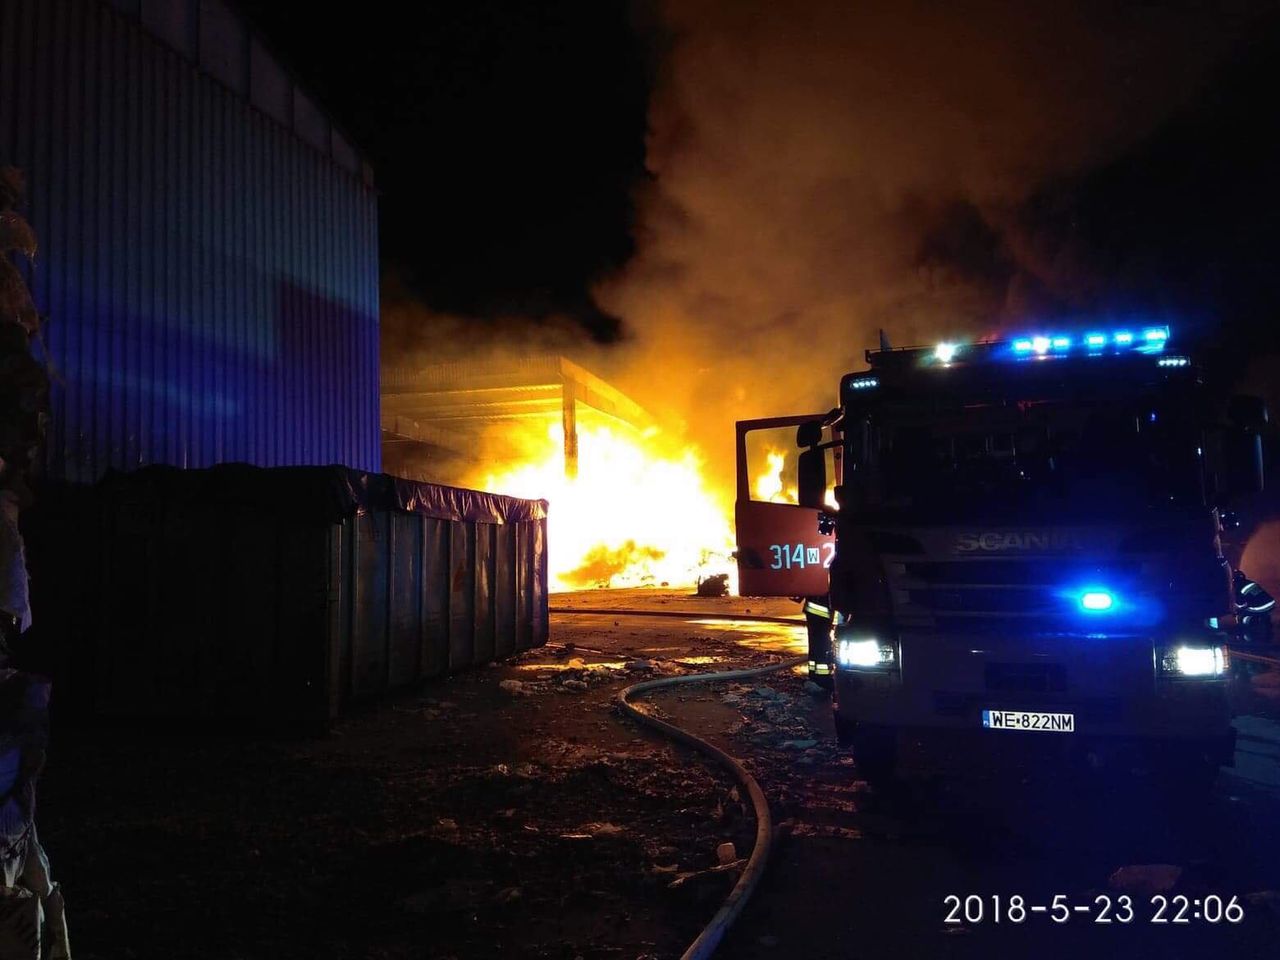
241 592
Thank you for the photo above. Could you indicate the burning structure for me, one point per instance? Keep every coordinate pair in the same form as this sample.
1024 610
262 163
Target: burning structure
546 428
439 419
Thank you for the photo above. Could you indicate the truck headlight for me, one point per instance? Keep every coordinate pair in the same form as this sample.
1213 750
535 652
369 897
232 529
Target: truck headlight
864 653
1186 660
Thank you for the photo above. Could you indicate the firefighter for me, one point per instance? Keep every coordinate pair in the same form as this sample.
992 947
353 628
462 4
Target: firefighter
1253 607
811 480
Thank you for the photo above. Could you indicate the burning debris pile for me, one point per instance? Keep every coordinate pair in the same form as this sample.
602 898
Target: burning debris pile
630 505
636 514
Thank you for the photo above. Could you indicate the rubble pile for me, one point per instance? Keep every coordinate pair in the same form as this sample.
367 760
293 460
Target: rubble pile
774 718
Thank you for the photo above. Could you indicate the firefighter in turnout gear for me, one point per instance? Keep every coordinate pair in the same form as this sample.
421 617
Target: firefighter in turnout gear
811 475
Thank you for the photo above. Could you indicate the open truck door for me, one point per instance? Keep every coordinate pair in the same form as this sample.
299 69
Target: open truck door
780 553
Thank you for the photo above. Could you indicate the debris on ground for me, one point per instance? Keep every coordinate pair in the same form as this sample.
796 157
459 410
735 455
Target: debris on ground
444 802
592 831
710 884
716 585
828 830
774 718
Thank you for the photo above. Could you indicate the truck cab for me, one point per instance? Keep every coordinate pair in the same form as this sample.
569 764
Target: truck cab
1027 548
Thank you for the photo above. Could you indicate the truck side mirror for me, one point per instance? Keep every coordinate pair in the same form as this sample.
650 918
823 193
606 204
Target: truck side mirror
809 434
811 467
811 477
1242 456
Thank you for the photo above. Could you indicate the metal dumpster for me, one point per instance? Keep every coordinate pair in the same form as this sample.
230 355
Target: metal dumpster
238 593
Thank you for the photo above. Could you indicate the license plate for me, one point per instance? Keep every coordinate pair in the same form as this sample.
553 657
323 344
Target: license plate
1028 720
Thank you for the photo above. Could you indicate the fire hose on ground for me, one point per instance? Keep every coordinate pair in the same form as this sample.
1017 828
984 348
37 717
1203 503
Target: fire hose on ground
711 935
706 942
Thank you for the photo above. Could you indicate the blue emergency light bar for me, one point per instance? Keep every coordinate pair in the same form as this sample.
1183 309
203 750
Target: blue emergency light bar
1148 340
1141 340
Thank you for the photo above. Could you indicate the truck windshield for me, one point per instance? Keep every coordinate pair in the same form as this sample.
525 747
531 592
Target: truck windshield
943 458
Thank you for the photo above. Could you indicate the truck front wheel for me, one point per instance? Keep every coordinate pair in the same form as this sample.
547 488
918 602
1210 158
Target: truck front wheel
874 749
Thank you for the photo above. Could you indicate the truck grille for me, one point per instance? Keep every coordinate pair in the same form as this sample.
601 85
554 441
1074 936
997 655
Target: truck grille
963 593
1025 677
940 573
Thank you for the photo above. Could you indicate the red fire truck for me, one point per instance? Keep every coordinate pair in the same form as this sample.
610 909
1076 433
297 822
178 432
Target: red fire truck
1020 542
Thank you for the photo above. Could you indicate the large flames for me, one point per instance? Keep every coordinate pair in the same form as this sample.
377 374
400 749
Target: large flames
771 484
638 513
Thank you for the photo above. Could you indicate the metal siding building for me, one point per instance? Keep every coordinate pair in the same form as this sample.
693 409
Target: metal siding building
208 261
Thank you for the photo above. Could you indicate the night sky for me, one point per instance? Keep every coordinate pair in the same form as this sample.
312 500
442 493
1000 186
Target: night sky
506 138
509 143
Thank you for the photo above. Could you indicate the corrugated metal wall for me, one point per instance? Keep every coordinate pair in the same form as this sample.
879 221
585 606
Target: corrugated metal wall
211 281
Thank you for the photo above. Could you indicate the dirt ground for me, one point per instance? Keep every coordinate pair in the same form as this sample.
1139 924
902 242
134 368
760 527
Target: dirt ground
463 820
512 812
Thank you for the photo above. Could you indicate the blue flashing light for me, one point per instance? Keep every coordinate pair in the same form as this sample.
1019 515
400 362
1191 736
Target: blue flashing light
1097 600
1142 340
864 383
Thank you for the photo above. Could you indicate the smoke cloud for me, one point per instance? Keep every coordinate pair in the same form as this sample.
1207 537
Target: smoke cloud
821 170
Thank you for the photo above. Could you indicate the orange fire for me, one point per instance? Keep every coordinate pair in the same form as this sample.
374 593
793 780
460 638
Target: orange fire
638 513
770 484
776 482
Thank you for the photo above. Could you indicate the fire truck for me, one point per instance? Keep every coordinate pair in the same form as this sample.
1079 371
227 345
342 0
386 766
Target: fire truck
1017 541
